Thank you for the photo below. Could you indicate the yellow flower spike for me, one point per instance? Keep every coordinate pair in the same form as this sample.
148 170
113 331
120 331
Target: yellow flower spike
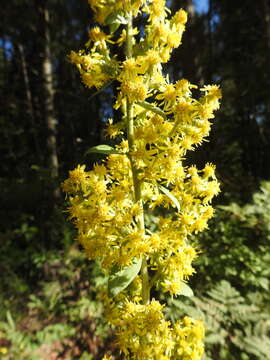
144 172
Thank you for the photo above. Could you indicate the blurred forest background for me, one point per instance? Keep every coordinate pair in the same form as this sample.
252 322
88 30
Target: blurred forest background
49 305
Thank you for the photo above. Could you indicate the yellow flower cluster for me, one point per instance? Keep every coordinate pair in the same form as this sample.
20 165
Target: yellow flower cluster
106 215
144 333
145 174
96 67
188 335
104 8
162 36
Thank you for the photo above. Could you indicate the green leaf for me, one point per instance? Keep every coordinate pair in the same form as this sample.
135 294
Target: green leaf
113 27
10 320
116 18
264 283
146 105
185 290
170 196
102 149
120 279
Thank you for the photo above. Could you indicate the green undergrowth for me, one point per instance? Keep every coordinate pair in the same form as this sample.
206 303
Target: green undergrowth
49 303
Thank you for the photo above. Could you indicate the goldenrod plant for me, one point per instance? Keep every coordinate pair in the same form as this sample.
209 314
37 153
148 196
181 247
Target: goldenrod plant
144 174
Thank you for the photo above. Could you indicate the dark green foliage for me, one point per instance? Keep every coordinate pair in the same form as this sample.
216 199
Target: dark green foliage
237 328
237 245
62 316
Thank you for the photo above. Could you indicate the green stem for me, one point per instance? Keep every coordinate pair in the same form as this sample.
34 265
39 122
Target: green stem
136 181
174 128
152 108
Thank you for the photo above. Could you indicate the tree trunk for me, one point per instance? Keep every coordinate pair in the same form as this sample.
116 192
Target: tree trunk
48 89
29 99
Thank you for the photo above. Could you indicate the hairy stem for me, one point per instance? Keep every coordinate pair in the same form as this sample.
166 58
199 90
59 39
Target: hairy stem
136 181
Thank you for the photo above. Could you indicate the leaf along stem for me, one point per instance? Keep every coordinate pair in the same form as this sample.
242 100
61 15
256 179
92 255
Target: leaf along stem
146 105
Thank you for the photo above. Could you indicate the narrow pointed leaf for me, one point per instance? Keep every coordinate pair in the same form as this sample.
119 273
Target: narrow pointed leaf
102 149
170 196
10 320
120 279
152 108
